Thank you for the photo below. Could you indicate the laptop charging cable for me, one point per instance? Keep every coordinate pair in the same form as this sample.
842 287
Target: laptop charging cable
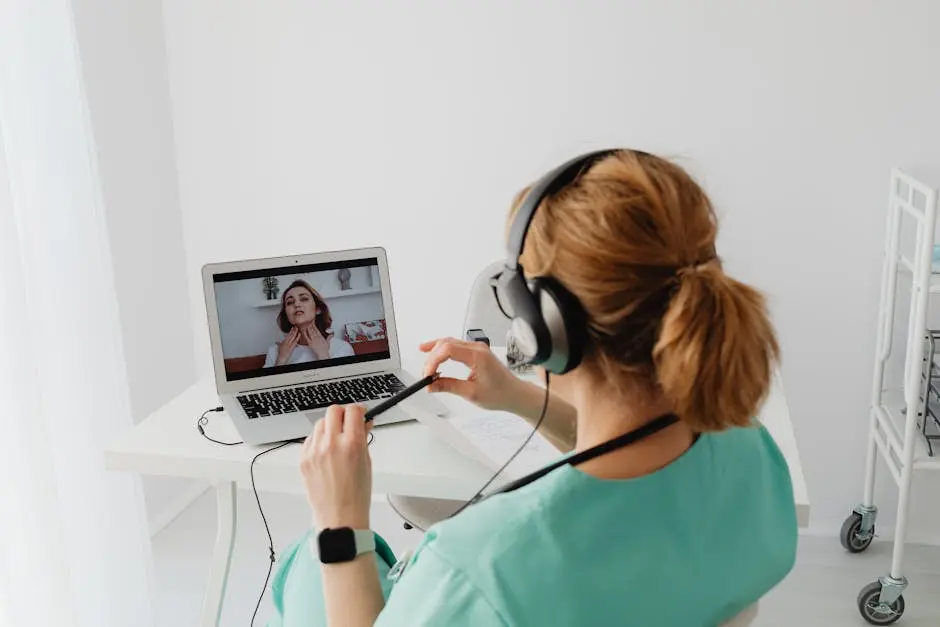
203 422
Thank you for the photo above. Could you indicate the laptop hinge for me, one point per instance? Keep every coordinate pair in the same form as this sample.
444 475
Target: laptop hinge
302 383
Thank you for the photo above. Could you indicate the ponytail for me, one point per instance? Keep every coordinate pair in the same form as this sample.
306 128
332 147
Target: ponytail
716 350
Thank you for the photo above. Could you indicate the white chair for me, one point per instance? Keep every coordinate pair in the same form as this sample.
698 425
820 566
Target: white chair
745 618
482 310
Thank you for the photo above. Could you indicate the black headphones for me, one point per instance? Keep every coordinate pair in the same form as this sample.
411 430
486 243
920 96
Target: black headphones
549 325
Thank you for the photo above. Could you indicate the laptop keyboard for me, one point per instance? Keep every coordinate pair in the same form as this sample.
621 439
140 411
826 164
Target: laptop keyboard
320 395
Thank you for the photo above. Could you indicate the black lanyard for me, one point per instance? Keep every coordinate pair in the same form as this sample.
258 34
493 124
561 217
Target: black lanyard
654 426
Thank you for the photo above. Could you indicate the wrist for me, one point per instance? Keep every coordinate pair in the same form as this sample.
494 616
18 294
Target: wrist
525 399
337 522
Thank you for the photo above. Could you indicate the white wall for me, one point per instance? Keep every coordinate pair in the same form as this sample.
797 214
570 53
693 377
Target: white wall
418 121
248 322
124 66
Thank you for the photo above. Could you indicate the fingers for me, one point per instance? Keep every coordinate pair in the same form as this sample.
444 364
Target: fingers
308 456
447 385
334 422
315 434
354 423
445 350
339 420
428 346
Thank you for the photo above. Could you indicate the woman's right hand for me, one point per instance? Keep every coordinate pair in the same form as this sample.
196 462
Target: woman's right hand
490 384
287 346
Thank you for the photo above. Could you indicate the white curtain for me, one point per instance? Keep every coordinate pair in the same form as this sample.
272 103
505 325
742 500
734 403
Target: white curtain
74 550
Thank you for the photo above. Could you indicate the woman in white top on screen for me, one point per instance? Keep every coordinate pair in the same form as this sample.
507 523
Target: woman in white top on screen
305 318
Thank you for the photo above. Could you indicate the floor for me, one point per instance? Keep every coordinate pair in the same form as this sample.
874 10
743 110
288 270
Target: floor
820 591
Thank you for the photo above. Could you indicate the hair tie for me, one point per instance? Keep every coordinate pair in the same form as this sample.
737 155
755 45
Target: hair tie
694 268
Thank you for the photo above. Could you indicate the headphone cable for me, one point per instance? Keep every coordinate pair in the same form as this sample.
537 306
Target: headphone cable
477 497
272 556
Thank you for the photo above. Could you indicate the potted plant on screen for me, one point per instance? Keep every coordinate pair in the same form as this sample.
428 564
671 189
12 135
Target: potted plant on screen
344 275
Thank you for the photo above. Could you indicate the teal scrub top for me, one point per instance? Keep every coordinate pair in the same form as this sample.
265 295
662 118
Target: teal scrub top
692 544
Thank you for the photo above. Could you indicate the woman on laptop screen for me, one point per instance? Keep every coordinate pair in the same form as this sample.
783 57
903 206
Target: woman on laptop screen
305 319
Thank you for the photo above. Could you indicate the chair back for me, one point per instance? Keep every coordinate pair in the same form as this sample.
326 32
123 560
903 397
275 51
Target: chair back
482 310
745 618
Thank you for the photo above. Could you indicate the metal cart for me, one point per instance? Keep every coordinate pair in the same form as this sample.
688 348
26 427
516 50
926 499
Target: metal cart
896 433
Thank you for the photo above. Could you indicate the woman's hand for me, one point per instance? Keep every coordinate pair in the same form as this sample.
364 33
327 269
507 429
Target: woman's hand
490 384
337 469
287 346
318 343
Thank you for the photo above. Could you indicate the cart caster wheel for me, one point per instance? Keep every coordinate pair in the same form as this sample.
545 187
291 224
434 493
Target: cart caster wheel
408 526
851 535
873 610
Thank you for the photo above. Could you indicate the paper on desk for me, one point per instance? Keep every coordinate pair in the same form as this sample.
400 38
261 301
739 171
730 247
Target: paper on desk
490 438
498 435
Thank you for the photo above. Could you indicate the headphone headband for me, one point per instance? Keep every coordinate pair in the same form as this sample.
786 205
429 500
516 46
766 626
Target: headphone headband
547 186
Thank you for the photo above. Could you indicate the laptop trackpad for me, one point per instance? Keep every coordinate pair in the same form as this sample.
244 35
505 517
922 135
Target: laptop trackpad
395 414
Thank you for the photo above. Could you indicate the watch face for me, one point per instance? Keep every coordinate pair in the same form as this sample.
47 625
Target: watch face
337 545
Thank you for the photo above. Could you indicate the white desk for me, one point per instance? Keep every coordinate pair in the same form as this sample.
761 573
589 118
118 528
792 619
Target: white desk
405 460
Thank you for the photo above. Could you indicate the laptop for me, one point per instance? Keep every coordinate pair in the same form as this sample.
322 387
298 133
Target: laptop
293 335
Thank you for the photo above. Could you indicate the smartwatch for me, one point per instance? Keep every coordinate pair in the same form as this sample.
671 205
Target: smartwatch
343 544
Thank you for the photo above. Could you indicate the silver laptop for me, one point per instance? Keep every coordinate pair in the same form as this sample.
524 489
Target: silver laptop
293 335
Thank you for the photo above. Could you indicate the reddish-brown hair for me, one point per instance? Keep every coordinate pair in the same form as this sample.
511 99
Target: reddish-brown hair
634 239
323 319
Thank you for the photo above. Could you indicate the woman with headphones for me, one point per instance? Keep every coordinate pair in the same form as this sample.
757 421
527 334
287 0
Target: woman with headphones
674 506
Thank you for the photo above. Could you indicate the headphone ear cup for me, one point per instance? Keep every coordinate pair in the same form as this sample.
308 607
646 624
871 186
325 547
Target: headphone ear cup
566 322
528 328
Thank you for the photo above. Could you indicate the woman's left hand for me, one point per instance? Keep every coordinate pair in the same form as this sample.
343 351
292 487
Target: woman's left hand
337 469
318 343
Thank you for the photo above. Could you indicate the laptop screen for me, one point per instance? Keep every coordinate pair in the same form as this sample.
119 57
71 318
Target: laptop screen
294 318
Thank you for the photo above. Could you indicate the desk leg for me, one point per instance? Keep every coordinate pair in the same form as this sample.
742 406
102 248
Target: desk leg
221 555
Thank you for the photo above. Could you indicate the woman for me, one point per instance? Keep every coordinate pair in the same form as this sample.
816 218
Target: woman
305 318
686 527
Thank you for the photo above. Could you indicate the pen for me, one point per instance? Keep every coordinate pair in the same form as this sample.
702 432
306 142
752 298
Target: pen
408 391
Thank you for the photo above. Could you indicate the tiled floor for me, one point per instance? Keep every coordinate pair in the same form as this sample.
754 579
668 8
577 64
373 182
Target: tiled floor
820 592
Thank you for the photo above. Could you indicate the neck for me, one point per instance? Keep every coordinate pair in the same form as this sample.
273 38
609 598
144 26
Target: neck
302 327
602 417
